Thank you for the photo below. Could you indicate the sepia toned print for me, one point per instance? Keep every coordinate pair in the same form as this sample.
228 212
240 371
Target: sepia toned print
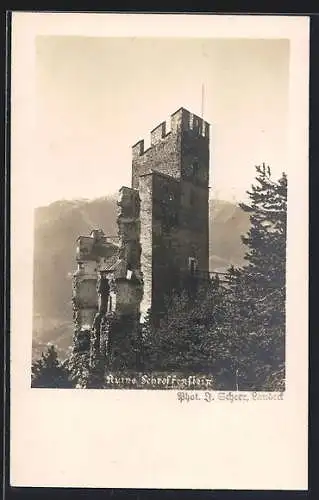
167 282
166 310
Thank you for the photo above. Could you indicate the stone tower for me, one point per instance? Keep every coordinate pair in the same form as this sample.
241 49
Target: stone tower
172 178
163 240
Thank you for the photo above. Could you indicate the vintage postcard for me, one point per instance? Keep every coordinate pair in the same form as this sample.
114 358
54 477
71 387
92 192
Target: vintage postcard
159 251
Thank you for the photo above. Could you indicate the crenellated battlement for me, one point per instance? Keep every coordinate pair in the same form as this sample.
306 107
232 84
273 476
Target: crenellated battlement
181 120
158 133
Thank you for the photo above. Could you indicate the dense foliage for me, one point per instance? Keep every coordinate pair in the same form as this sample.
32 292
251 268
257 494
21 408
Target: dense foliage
49 372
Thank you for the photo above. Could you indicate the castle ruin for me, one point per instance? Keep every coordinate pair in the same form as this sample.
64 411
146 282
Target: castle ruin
162 240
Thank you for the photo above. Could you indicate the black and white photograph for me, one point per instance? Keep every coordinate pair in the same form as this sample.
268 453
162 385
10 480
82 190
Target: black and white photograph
180 271
162 177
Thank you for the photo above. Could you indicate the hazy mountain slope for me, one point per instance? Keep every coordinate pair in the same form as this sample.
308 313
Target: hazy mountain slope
57 227
227 223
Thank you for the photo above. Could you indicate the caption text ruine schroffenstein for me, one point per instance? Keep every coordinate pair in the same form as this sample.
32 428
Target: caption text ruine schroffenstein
189 388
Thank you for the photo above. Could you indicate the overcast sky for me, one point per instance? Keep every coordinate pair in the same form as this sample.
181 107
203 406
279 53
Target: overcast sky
96 97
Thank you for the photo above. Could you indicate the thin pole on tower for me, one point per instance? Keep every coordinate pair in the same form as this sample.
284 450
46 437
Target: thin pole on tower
203 97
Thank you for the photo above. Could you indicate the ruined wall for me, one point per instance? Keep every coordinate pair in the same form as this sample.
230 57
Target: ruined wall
93 253
128 297
126 274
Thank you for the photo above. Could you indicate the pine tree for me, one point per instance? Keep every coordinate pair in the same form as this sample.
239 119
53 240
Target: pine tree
256 299
266 239
48 372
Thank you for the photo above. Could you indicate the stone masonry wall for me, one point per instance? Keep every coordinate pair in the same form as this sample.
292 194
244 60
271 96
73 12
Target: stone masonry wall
164 156
172 177
146 239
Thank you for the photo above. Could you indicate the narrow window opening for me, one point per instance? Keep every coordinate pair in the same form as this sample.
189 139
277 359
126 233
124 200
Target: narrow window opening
195 168
192 264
